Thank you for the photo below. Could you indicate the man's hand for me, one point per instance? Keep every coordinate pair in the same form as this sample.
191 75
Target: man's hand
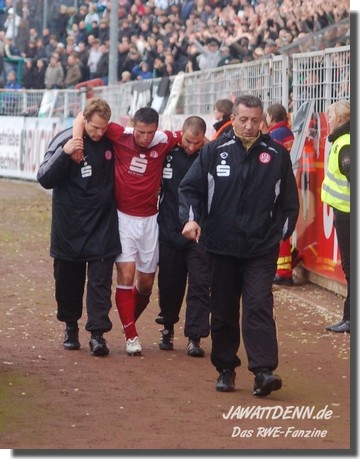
78 156
78 132
75 148
192 231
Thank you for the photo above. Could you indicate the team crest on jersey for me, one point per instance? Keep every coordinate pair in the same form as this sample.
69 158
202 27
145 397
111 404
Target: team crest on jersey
264 157
153 154
108 154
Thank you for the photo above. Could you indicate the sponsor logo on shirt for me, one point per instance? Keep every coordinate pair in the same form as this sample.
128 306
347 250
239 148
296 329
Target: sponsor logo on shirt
86 170
138 165
168 171
223 169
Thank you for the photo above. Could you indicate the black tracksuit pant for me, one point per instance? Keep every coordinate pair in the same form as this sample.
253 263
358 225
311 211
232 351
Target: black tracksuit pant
70 280
250 279
342 227
178 268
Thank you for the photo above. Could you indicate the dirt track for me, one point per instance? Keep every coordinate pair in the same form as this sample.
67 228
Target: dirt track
56 399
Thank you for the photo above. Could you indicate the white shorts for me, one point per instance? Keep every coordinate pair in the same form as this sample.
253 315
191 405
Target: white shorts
139 237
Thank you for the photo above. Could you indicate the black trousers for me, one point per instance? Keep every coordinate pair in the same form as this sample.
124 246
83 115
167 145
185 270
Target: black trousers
179 268
70 280
250 279
342 227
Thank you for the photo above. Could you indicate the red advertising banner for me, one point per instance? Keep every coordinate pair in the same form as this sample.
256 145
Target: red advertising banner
315 235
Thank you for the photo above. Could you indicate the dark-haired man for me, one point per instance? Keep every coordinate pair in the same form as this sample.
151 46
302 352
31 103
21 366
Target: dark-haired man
182 263
246 182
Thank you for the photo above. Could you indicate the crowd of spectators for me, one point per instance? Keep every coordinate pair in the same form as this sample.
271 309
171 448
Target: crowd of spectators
155 37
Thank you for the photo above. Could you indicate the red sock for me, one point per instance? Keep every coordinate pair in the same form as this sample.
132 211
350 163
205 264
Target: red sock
284 268
141 301
125 303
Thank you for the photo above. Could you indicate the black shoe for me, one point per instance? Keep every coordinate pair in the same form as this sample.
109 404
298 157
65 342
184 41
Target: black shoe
71 340
166 341
226 381
341 327
159 320
194 349
287 281
265 382
98 346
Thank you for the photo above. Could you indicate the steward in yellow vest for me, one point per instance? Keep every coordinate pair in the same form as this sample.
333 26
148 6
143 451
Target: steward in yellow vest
335 192
335 189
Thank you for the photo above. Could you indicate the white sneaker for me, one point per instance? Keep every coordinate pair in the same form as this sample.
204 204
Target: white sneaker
133 346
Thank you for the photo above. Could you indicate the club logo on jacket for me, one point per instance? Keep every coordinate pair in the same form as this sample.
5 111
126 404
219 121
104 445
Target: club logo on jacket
264 158
108 154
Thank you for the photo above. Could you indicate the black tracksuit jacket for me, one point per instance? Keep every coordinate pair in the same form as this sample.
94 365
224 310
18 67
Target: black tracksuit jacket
251 196
176 164
84 217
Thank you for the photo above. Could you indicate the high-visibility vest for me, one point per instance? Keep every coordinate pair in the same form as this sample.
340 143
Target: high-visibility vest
308 156
335 190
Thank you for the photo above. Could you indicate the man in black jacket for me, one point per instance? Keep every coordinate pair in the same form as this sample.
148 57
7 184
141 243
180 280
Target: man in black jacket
247 183
182 262
84 230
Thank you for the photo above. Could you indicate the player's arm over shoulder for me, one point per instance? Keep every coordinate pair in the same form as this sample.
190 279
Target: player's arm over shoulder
166 137
114 131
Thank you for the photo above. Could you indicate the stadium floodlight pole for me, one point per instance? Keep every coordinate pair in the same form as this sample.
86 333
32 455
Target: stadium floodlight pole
114 35
45 14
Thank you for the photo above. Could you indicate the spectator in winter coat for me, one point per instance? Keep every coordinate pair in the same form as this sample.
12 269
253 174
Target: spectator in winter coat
94 57
83 55
30 75
54 75
102 68
40 74
12 24
10 100
210 54
142 71
222 113
73 72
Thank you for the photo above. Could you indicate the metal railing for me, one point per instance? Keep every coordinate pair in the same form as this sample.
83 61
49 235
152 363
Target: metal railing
322 76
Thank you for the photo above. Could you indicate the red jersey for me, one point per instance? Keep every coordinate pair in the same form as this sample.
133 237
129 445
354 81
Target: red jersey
138 170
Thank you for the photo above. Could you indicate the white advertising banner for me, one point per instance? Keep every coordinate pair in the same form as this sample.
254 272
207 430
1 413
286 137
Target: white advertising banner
23 142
